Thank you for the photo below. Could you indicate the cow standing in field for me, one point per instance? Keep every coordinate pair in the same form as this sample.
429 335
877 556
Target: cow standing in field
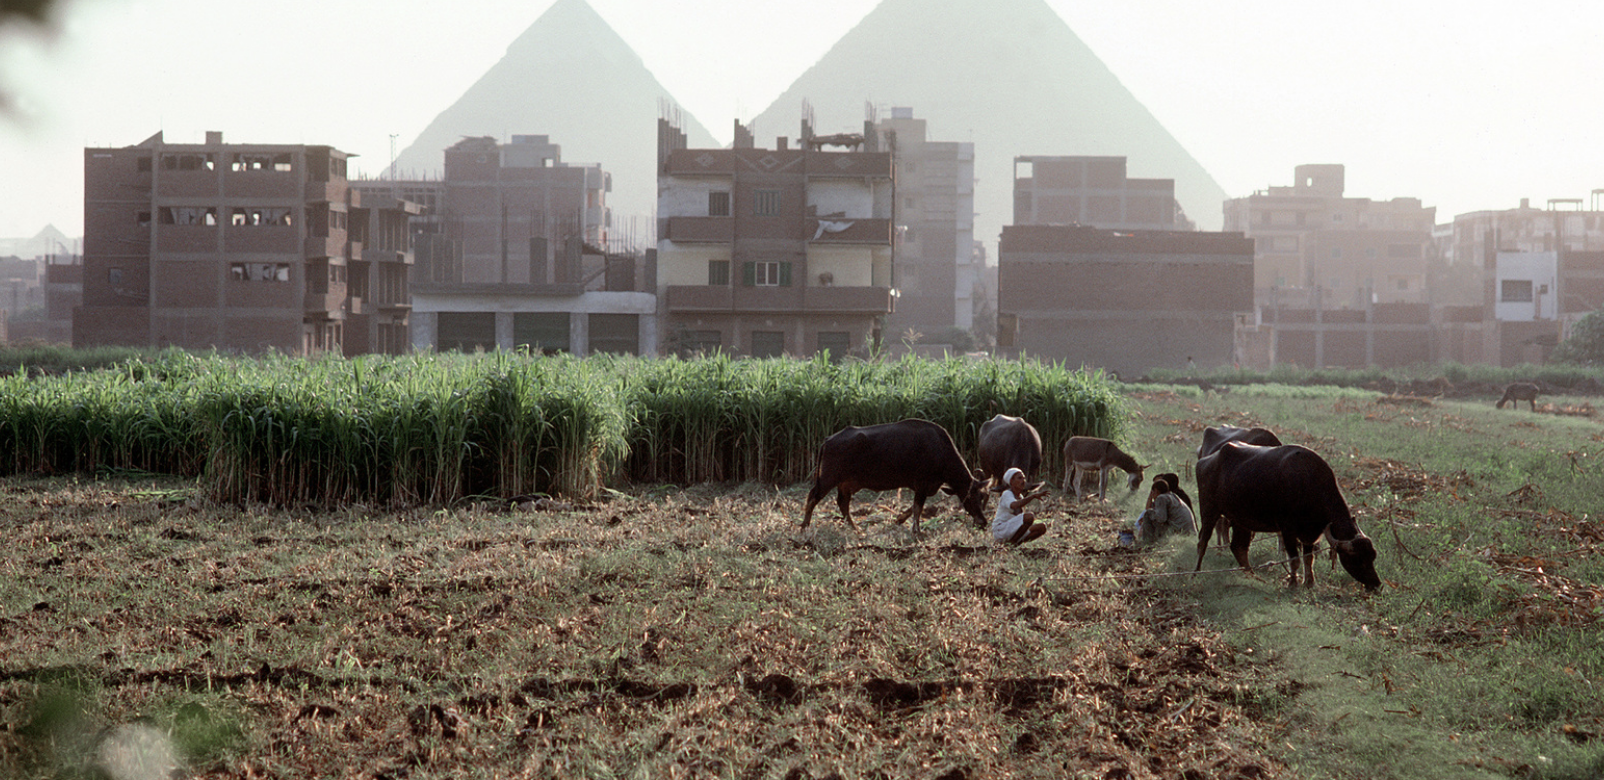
1517 392
1287 490
916 454
1006 443
1084 455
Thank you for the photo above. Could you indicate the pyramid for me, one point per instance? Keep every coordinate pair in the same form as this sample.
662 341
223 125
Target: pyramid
1008 75
570 77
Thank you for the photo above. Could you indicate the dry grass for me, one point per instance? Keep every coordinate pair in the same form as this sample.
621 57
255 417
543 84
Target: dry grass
662 633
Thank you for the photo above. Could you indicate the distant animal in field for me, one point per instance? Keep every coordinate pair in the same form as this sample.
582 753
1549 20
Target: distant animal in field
912 453
1005 443
1287 490
1517 392
1085 455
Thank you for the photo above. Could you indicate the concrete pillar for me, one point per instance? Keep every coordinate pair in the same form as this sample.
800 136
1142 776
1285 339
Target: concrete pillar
504 330
648 335
579 333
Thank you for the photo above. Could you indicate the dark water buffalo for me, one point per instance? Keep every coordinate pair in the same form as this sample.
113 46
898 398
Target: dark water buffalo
916 454
1005 443
1287 490
1214 438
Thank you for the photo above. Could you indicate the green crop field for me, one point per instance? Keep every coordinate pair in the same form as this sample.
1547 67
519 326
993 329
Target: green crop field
282 569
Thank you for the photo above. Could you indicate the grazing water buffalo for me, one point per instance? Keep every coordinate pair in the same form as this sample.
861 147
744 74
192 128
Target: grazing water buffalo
1006 443
1517 392
916 454
1288 490
1085 454
1214 438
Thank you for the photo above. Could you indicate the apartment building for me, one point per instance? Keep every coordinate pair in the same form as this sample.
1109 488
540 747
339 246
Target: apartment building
514 253
1092 191
1318 248
768 252
238 247
1121 300
938 266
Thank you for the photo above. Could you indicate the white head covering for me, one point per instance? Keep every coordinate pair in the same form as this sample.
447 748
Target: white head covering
1008 476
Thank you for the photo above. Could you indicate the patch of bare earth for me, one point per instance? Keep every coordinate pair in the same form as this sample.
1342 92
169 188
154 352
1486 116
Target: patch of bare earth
663 633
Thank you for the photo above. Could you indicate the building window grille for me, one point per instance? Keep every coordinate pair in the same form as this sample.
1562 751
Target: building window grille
718 204
767 203
718 273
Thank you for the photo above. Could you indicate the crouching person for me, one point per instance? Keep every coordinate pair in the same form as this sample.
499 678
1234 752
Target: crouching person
1012 523
1165 514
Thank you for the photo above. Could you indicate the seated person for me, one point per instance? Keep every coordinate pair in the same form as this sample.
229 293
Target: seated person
1165 514
1012 523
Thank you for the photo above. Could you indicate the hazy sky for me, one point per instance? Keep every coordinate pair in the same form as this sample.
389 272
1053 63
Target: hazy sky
1468 105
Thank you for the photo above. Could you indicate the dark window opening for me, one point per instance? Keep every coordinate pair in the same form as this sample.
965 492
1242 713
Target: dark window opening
718 273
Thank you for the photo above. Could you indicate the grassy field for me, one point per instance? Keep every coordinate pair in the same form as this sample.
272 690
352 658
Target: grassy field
656 631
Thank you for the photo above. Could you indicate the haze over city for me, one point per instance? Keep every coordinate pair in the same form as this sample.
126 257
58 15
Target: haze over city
1465 106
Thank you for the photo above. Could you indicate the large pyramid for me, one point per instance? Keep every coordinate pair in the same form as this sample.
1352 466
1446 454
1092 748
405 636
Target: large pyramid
570 77
1008 75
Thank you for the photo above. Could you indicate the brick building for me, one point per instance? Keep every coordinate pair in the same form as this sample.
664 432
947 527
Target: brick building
1320 249
513 253
1092 191
765 252
1126 301
238 247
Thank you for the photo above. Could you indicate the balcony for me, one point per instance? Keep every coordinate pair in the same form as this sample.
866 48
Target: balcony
855 231
690 230
792 300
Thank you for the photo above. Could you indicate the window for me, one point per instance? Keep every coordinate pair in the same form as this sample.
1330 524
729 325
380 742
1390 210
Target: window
188 215
142 165
143 219
768 343
1336 217
1336 253
767 274
279 163
255 217
718 273
1403 284
1402 251
718 204
1370 252
766 203
187 162
260 272
1515 291
907 203
114 277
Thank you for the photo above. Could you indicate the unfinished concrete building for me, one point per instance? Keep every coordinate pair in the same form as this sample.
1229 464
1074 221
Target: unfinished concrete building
238 247
768 252
937 268
1093 191
1317 248
1124 301
514 254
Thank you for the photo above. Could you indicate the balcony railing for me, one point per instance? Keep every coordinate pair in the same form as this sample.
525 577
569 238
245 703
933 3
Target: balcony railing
793 300
700 229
